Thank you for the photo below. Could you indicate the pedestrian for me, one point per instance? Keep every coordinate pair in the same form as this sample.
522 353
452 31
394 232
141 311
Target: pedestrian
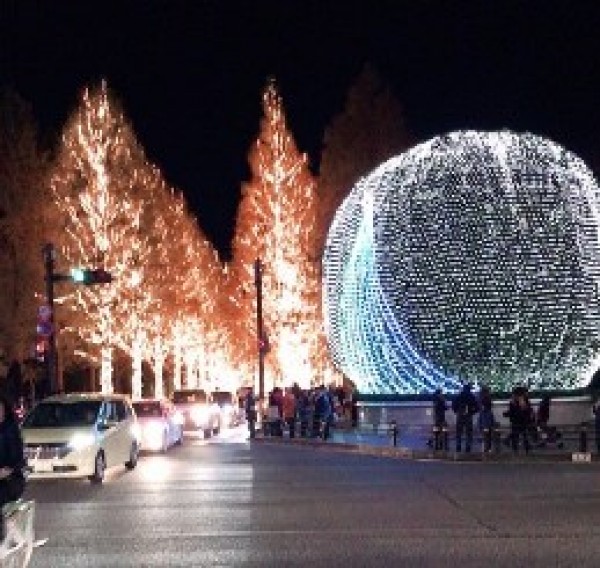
289 411
596 410
520 415
12 460
303 405
440 406
250 409
354 408
465 407
487 420
275 411
323 412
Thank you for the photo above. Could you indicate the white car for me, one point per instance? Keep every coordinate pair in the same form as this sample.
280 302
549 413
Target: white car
160 425
197 411
228 407
80 435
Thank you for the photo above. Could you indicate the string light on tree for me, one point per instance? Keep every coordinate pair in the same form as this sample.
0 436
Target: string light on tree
94 188
474 256
276 220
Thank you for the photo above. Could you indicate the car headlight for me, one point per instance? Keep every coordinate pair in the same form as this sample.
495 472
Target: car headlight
81 440
199 414
153 429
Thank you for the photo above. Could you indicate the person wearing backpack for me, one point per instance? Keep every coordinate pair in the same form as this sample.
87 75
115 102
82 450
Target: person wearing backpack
464 406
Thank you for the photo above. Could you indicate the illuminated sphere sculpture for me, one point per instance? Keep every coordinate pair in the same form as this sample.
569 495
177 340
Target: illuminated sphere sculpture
472 257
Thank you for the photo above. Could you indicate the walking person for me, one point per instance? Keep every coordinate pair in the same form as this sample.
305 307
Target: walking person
250 409
596 410
303 405
465 407
440 406
520 415
487 420
289 411
12 460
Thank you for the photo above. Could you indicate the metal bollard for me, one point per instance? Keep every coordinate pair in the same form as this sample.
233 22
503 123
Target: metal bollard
446 438
497 440
486 440
583 438
436 438
394 430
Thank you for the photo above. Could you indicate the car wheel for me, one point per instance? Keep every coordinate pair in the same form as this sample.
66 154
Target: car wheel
133 457
99 468
208 433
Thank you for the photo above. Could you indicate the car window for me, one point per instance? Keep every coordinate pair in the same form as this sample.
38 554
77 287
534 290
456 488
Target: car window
192 395
110 412
63 414
222 397
121 411
147 409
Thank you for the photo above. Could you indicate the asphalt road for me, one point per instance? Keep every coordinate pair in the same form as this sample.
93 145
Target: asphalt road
225 502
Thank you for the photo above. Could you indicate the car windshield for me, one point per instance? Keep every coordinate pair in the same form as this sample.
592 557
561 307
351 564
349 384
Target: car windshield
147 409
222 397
196 395
63 414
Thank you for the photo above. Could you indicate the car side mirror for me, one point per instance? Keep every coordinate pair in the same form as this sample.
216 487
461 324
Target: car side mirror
106 425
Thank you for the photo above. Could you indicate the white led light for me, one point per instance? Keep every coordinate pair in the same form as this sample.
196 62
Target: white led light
474 256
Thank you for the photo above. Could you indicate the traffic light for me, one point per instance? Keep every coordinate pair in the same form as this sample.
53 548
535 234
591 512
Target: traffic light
90 276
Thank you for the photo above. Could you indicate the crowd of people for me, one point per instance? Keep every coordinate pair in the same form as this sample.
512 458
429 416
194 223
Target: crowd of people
526 425
308 413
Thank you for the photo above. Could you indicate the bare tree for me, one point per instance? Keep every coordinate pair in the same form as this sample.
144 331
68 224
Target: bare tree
368 131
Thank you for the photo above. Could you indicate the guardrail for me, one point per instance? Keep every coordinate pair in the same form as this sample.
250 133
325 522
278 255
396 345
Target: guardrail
17 548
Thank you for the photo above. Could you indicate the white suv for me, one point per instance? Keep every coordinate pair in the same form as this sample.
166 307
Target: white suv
80 435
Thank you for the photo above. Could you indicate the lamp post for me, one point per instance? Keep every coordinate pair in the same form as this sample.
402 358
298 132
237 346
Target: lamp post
51 360
260 332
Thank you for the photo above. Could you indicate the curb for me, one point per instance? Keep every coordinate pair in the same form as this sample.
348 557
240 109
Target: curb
428 455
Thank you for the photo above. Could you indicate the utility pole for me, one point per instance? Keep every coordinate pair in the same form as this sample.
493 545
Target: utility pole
51 359
260 332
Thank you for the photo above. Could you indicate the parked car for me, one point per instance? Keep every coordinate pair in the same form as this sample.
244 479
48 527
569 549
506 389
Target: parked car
80 435
197 411
228 406
159 423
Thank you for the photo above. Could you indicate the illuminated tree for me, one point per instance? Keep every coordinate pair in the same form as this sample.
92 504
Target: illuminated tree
275 223
186 287
99 187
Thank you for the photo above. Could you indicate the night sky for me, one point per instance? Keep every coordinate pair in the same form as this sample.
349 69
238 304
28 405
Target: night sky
190 74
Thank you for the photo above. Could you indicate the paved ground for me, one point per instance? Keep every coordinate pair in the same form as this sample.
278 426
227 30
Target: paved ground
226 502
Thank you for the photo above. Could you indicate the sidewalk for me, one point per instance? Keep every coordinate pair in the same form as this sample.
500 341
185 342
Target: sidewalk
411 443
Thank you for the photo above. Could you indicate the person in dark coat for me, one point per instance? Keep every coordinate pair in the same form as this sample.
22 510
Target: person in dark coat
520 414
12 460
251 414
596 411
487 420
465 407
440 406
